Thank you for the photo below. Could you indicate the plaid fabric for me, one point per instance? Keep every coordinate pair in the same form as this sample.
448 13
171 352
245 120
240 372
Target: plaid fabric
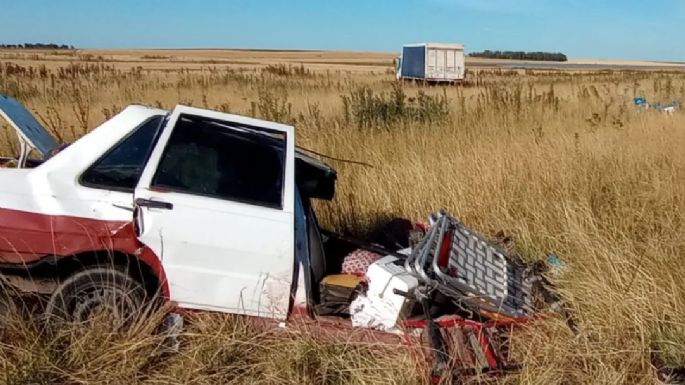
358 262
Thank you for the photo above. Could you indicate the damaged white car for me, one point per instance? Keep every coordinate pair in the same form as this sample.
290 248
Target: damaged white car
212 211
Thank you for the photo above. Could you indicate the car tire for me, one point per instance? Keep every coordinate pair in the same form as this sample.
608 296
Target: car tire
81 296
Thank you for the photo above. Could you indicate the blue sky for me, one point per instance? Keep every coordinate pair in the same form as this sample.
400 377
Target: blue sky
638 29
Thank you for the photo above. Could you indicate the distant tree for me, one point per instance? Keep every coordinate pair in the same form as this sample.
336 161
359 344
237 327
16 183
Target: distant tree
521 55
37 46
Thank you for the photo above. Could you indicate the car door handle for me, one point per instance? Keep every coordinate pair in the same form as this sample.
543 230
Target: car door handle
149 203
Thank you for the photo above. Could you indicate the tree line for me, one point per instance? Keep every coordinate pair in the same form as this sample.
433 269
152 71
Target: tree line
38 46
521 55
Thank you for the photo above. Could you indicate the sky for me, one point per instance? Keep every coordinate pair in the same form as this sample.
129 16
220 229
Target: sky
626 29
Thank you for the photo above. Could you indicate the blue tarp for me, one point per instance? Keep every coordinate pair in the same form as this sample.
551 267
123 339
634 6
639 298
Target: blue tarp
642 102
414 62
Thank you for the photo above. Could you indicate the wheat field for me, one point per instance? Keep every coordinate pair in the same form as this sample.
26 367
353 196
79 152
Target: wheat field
561 160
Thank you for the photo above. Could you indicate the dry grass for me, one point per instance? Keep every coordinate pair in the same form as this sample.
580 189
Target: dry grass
217 349
561 160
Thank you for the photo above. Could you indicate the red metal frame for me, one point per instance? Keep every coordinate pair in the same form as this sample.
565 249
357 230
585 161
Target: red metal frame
454 321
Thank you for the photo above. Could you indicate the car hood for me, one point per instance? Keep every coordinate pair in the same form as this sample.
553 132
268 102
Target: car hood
26 125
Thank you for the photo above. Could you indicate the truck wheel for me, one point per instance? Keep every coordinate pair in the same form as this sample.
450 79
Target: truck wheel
106 292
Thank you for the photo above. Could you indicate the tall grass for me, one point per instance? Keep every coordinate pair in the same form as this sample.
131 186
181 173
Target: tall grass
560 160
215 349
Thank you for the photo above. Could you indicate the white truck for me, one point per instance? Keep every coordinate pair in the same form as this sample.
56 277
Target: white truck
212 211
431 62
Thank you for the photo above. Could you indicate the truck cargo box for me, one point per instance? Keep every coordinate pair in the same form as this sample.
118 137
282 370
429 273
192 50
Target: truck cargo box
435 62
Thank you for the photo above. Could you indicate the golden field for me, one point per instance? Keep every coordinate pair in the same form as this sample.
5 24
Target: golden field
560 159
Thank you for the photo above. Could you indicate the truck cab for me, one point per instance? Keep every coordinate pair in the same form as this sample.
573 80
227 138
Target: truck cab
210 210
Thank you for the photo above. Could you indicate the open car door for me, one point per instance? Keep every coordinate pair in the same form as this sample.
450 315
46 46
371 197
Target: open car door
216 204
32 135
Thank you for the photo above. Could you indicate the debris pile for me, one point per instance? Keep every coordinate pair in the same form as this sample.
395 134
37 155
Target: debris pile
641 102
459 291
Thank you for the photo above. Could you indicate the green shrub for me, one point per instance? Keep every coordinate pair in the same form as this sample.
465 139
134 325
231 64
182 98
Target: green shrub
367 109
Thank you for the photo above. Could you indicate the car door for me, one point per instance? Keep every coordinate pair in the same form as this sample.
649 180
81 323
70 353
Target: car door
216 204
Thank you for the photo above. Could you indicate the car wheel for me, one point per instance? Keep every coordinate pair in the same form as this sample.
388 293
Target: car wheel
108 293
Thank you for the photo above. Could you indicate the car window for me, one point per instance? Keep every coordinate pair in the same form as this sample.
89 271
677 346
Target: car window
122 165
215 159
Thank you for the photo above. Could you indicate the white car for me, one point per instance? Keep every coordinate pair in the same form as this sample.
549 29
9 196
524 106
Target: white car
209 211
200 206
